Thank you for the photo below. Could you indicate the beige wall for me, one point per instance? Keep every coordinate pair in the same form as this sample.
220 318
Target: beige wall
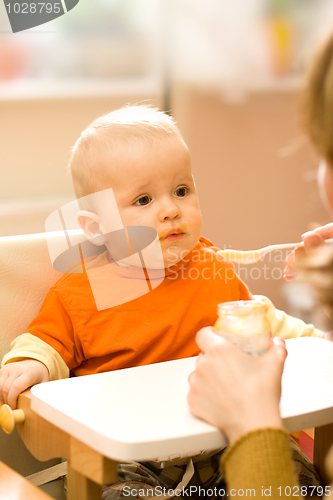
35 140
253 171
36 137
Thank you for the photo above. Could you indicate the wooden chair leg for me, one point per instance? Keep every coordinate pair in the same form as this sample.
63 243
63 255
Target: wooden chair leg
87 469
80 487
323 440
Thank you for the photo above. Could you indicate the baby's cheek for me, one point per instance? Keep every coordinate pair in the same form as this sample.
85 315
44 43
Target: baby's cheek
197 220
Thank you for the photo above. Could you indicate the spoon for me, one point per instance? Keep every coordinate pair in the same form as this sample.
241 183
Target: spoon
252 256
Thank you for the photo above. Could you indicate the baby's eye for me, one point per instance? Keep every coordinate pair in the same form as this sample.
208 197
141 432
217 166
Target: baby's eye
181 192
144 200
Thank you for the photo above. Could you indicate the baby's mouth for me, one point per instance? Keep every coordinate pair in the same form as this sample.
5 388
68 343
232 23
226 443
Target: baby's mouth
169 235
174 237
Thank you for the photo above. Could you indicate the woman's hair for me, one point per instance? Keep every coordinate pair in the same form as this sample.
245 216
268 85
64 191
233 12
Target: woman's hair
316 271
317 101
125 127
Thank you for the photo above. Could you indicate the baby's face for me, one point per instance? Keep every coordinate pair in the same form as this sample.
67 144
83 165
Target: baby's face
153 186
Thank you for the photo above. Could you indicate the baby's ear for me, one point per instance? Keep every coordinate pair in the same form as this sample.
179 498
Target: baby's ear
89 223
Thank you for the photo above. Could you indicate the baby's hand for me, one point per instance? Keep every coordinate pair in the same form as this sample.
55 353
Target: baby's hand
311 240
19 376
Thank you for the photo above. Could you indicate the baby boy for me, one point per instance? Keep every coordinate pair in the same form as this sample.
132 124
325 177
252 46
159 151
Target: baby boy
139 154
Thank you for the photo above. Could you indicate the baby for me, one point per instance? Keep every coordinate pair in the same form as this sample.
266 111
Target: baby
137 155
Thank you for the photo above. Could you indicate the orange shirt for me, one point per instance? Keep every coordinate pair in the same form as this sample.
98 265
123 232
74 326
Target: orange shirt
155 327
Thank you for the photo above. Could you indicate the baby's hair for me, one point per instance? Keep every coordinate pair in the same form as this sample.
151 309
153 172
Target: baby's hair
318 102
125 127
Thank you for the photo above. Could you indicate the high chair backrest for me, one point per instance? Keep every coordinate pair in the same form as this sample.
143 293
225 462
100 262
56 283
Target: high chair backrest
26 274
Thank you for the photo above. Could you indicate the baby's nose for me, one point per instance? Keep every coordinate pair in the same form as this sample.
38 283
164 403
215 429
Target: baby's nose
169 211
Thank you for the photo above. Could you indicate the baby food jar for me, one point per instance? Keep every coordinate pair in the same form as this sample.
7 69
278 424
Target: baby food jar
244 323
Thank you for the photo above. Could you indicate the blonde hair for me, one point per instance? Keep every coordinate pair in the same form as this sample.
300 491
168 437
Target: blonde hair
127 126
317 101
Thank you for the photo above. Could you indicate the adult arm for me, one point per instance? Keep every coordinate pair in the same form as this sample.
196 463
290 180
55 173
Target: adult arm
240 394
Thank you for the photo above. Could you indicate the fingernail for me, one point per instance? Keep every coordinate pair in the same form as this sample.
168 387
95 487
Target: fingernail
279 341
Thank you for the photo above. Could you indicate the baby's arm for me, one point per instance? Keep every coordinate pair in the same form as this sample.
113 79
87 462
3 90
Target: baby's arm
30 361
286 326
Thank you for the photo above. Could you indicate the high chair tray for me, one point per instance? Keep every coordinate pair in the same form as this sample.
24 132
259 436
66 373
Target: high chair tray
142 413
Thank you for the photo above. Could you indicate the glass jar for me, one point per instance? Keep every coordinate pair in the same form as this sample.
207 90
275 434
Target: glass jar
244 323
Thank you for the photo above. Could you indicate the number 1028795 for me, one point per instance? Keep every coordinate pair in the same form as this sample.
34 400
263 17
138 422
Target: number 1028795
304 491
34 8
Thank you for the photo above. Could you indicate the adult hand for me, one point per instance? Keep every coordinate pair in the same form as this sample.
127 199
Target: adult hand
312 239
233 390
19 376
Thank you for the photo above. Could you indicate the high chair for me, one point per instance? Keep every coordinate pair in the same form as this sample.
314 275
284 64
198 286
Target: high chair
26 275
